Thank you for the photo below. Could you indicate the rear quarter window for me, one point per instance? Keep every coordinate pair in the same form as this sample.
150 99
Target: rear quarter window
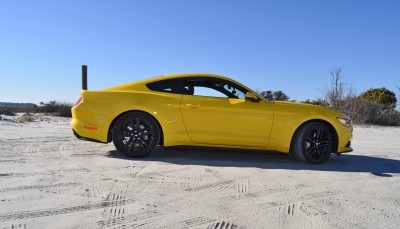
169 86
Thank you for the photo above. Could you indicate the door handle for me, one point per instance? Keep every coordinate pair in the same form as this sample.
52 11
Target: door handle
193 105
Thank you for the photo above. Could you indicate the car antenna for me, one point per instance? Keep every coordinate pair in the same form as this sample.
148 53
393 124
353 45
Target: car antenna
84 77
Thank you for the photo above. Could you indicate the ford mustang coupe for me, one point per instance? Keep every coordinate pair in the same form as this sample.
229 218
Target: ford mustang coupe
207 110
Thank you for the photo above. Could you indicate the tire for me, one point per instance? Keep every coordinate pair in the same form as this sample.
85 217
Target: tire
136 134
313 143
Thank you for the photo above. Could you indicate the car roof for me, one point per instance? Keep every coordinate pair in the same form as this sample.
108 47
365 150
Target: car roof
141 84
187 75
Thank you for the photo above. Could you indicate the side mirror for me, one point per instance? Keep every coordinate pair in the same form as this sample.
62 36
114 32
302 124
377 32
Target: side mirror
251 97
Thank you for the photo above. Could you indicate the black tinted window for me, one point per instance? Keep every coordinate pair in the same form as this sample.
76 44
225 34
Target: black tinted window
170 86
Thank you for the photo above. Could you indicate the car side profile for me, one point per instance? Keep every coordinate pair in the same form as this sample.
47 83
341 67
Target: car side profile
207 110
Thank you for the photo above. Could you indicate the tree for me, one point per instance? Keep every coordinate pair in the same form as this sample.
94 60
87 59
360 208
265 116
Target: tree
318 102
338 94
274 95
266 94
335 94
382 96
279 95
374 106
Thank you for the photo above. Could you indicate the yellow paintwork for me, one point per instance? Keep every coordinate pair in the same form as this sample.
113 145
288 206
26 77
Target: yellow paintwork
202 120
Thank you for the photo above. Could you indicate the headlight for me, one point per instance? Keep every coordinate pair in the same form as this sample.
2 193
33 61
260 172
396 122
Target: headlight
344 121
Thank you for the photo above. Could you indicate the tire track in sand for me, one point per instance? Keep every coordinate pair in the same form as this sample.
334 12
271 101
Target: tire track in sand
61 211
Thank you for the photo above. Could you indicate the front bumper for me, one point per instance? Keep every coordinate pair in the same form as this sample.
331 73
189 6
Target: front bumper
345 135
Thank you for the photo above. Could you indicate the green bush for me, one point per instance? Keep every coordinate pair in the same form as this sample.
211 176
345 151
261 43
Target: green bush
274 95
374 106
382 96
318 102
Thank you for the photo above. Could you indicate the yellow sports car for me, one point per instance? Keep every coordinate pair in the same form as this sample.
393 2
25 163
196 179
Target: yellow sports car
206 110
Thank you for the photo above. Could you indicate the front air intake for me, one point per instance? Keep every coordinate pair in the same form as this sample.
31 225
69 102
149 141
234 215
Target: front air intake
348 144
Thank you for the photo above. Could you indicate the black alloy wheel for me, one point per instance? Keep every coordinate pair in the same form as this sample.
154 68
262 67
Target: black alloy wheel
313 143
136 134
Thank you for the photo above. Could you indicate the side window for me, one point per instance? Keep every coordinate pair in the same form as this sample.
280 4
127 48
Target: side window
169 86
206 91
239 93
213 87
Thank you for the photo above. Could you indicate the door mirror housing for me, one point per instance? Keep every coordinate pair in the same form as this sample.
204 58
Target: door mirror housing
251 97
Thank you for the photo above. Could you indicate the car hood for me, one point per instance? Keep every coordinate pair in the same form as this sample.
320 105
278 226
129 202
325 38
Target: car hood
295 104
306 108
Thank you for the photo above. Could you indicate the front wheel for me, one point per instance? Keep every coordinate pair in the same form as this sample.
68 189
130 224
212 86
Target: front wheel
136 134
313 143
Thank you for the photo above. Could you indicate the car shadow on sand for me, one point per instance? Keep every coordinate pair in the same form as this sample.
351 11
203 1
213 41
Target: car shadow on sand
378 166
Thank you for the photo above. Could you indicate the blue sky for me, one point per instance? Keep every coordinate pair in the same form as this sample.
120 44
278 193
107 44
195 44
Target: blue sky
276 45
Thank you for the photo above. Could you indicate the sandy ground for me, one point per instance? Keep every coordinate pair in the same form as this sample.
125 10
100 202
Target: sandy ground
49 179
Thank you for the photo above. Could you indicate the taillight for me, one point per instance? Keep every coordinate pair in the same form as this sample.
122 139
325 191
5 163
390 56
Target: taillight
79 101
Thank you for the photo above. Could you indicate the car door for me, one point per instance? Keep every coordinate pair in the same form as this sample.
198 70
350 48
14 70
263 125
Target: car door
227 119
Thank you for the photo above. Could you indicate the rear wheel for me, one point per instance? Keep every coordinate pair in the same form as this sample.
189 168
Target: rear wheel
313 143
136 134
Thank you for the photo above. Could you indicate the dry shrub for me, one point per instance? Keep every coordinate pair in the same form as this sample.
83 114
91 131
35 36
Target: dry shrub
345 99
23 109
27 117
367 112
6 112
62 109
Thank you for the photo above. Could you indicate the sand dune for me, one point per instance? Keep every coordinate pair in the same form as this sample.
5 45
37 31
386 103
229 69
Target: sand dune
49 179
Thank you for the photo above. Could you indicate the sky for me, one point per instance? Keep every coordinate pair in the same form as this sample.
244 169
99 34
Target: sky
266 45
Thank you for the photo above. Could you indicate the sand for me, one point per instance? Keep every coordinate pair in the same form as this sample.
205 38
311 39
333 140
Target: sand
49 179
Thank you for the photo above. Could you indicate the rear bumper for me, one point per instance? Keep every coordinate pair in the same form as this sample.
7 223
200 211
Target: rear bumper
86 139
89 126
